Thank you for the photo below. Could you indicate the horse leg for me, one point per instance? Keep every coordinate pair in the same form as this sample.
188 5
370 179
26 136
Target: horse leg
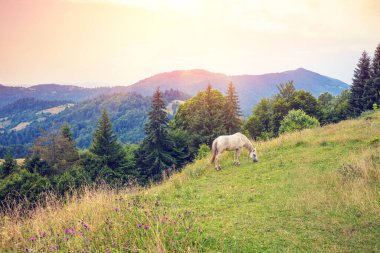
235 155
217 165
238 156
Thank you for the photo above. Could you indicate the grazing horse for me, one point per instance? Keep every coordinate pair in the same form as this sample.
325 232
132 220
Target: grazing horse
235 143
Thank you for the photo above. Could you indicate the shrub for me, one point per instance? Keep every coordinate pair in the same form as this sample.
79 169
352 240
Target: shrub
297 120
203 151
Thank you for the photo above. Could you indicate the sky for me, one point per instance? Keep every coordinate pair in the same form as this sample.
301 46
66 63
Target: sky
119 42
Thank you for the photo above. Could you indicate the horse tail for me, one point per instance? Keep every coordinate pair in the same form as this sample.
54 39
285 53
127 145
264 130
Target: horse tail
214 150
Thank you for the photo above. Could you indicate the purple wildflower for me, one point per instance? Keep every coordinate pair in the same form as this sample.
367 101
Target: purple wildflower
146 226
43 234
116 209
107 251
139 225
32 239
70 231
86 226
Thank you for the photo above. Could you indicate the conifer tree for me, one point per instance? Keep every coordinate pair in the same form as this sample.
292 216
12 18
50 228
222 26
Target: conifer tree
232 110
360 83
375 76
155 153
68 148
106 146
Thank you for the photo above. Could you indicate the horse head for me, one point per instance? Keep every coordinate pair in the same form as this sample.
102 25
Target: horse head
253 155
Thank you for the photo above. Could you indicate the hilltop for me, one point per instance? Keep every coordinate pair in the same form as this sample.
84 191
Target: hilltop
312 191
250 88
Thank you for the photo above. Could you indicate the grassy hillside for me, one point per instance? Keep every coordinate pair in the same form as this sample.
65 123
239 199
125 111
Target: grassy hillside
312 191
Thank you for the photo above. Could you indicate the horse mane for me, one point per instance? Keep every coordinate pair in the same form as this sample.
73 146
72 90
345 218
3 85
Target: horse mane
247 143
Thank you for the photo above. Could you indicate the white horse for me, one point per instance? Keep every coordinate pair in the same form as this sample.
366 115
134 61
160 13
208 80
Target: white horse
235 143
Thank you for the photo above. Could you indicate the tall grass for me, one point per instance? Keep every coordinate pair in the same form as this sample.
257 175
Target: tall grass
101 219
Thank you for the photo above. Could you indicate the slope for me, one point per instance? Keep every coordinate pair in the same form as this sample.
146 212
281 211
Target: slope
312 191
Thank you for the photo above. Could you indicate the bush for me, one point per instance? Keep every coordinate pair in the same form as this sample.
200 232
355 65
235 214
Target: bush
297 120
23 185
203 151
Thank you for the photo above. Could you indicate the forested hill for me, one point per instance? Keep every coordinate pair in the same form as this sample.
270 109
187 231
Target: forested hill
29 105
128 113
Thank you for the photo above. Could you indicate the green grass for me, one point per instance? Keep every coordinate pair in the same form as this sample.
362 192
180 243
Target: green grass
313 191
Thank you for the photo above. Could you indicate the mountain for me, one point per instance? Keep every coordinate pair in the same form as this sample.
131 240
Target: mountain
50 92
250 88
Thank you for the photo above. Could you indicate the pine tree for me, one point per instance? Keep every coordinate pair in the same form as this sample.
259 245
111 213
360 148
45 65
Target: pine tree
359 82
69 152
155 153
375 75
106 146
232 110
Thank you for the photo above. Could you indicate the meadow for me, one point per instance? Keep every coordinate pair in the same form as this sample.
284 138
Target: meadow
317 190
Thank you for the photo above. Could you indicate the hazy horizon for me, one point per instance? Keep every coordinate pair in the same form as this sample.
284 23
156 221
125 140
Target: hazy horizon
99 85
93 43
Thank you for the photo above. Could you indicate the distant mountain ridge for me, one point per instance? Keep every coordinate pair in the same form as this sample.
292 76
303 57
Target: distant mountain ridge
250 88
48 92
